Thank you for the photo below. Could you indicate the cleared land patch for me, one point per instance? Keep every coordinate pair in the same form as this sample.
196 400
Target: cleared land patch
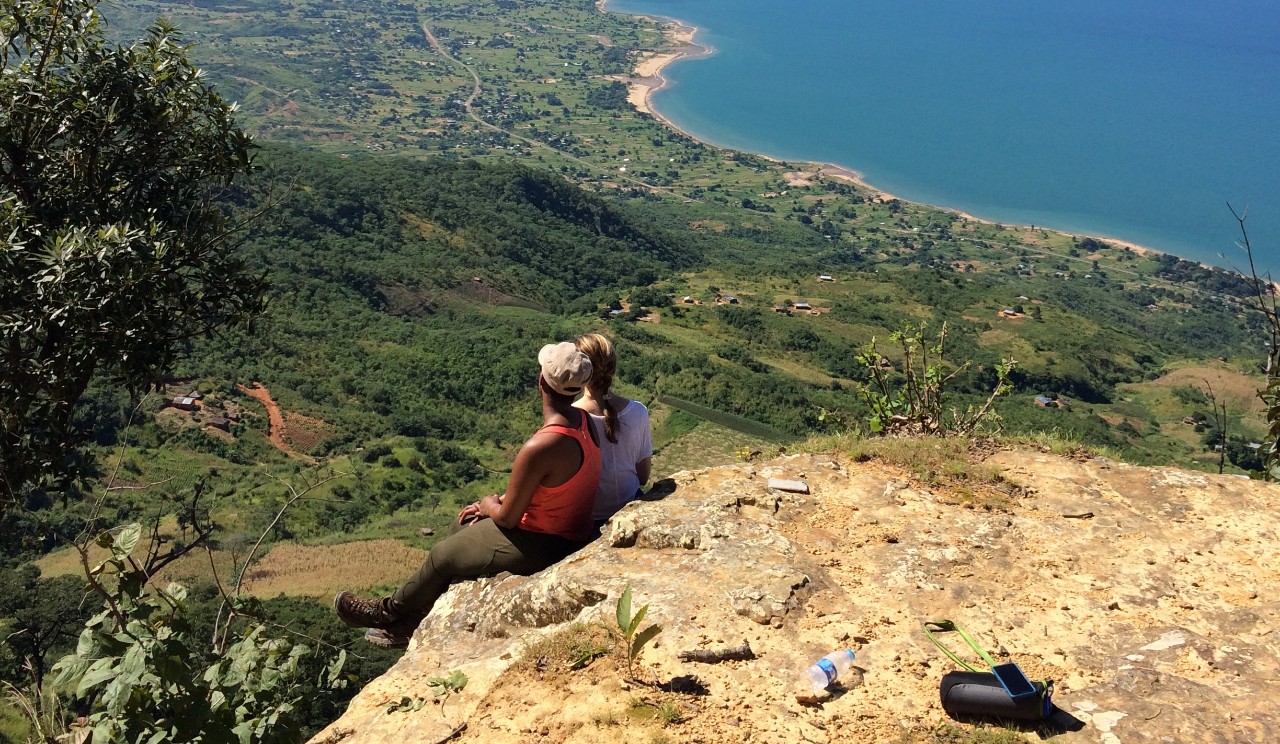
315 571
1238 390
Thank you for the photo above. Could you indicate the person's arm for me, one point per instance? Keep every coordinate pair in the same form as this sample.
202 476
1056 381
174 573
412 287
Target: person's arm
531 466
643 468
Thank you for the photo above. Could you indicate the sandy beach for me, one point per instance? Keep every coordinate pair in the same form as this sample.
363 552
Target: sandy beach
647 78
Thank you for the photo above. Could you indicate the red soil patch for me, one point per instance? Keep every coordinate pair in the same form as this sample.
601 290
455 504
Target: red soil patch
276 431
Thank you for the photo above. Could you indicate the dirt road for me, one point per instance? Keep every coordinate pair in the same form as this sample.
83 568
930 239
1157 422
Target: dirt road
275 421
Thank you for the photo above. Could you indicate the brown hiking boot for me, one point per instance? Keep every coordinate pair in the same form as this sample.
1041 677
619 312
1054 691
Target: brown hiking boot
395 635
383 638
363 613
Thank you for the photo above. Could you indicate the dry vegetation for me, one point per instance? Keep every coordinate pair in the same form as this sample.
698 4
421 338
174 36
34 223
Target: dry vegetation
1239 391
706 446
317 571
289 569
951 467
588 661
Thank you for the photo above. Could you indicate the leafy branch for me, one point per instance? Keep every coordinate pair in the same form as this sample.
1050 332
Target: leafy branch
913 401
144 677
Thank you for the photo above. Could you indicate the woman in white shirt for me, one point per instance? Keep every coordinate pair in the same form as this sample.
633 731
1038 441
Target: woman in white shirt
626 451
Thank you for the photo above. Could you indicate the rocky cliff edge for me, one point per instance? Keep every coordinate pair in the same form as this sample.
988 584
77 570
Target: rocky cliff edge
1148 594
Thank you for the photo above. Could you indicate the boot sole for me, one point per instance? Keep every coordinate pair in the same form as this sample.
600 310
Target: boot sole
383 639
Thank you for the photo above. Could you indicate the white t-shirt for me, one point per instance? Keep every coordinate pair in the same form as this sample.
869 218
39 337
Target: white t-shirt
618 480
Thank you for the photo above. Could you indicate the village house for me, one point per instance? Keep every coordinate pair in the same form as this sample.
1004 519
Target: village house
825 278
184 403
802 306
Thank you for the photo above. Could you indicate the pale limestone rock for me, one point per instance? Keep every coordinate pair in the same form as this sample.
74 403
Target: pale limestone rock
1158 614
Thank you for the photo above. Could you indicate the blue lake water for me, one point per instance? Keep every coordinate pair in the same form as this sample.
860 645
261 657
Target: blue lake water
1134 119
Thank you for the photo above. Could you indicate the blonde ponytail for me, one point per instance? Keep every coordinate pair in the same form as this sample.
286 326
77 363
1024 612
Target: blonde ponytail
603 365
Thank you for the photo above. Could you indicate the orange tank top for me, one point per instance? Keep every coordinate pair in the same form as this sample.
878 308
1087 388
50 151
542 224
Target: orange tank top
565 510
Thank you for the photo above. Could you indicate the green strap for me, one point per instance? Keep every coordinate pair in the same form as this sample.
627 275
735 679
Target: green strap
946 625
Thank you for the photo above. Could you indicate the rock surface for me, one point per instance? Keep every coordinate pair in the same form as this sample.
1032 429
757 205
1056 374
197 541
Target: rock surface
1147 594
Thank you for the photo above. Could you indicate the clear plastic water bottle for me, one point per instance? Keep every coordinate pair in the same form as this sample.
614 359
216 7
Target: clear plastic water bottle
829 668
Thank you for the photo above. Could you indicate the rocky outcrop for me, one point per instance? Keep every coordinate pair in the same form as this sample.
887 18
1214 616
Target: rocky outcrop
1148 594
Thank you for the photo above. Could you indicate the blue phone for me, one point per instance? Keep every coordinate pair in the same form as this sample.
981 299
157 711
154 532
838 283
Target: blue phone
1014 681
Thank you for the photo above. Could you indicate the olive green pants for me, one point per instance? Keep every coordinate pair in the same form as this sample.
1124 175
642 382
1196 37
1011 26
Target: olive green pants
478 549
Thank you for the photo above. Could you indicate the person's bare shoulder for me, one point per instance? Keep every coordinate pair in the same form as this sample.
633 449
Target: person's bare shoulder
540 442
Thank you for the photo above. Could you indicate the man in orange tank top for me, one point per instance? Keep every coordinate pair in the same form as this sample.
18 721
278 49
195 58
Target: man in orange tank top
544 515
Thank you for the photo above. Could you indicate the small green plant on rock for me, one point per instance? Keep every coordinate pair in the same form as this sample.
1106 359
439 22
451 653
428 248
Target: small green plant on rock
569 650
634 638
585 652
670 713
444 687
661 709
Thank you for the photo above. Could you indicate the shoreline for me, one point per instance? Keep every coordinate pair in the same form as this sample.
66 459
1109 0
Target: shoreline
646 78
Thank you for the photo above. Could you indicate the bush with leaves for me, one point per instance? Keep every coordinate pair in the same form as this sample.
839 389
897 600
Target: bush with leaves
144 677
912 401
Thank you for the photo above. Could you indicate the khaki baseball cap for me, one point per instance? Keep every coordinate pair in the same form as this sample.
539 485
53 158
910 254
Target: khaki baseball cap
565 369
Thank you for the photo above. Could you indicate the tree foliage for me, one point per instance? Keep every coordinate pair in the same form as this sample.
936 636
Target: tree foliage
41 620
114 252
145 676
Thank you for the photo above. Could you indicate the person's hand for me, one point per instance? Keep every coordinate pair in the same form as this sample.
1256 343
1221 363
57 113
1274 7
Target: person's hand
489 506
469 513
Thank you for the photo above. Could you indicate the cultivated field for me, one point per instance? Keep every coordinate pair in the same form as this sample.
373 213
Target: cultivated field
319 571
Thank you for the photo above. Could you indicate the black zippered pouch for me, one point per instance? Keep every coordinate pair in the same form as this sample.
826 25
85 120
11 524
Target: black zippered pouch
981 694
